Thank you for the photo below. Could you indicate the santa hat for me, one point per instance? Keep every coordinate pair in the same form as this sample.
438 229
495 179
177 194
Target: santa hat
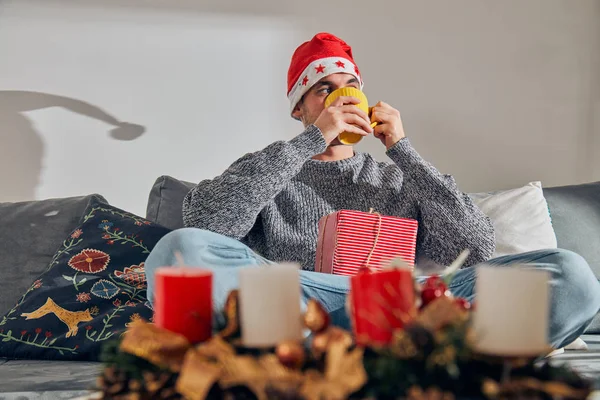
323 55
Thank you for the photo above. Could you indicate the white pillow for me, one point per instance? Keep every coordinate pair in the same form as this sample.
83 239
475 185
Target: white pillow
520 217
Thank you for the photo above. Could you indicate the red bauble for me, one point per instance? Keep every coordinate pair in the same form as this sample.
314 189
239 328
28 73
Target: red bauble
435 281
430 294
463 303
433 288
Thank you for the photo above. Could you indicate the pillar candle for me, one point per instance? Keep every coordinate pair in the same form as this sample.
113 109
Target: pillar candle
183 301
382 302
270 305
511 316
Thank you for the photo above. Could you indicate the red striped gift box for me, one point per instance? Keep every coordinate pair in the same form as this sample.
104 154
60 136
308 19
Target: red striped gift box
349 239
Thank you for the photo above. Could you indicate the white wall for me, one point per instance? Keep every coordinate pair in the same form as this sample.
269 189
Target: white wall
495 93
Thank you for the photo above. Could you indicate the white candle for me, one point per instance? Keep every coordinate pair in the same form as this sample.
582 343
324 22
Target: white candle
512 308
270 304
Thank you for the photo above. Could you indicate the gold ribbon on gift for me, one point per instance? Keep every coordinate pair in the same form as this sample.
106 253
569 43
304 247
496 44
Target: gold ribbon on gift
377 234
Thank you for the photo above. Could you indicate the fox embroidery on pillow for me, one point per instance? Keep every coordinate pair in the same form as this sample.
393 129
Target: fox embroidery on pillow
70 318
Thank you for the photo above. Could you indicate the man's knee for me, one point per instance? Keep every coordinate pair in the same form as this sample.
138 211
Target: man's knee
180 240
582 286
185 236
568 258
572 265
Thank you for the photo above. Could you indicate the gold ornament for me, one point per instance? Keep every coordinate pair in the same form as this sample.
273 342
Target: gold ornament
291 354
316 318
319 344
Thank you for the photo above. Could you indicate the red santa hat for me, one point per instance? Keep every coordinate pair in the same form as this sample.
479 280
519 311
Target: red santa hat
323 55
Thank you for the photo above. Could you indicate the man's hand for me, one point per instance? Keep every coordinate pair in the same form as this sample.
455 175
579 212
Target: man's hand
343 116
389 130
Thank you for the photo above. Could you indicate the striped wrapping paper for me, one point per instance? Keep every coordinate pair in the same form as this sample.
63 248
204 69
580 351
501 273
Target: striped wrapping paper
347 238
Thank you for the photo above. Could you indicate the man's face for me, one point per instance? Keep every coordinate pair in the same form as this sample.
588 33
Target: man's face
313 102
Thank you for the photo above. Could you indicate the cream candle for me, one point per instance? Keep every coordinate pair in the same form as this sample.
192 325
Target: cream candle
512 308
270 305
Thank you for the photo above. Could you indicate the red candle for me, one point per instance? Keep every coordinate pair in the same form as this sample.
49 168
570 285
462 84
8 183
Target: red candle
183 302
382 302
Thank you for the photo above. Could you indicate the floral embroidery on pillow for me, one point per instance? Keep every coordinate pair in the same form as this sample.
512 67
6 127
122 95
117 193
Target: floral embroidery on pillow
93 288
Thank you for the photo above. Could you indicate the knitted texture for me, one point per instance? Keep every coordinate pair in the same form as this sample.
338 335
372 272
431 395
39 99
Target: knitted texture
272 200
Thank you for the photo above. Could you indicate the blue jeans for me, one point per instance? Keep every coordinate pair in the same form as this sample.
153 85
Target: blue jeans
575 291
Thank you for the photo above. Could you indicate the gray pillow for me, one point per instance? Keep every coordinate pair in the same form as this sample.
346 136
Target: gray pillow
575 212
165 202
30 234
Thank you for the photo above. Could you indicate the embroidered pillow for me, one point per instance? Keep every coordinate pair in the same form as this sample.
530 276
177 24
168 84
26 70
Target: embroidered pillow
92 289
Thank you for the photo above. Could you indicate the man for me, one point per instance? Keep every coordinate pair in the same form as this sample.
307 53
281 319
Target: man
266 205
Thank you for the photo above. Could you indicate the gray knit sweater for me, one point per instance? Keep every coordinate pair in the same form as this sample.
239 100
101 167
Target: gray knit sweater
272 200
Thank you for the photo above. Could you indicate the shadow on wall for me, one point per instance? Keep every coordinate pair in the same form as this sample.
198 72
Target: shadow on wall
22 148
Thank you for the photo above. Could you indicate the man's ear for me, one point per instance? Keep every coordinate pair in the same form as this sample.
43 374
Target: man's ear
297 112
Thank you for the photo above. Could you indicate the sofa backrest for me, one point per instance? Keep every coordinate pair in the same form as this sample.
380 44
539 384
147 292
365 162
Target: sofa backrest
165 201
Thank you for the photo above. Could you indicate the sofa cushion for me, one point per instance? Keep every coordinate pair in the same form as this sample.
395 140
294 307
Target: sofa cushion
93 287
31 232
165 202
575 212
520 217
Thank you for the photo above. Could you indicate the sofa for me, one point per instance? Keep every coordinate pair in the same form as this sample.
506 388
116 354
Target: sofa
30 233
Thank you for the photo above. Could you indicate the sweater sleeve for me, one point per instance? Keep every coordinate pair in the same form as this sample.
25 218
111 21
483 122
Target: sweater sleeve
449 221
230 203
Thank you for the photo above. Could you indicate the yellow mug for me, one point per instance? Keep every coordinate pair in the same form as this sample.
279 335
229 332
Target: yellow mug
349 137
